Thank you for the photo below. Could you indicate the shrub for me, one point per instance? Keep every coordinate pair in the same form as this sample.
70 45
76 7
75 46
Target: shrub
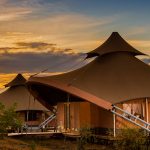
86 136
133 139
8 119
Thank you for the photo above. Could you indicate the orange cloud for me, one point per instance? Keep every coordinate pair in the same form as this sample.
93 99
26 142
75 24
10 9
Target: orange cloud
75 31
13 15
142 45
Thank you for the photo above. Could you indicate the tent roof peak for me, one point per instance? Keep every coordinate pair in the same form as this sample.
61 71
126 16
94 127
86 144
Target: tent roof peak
115 43
18 80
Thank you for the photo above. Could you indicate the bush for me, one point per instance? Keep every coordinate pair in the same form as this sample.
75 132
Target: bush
8 119
86 136
133 139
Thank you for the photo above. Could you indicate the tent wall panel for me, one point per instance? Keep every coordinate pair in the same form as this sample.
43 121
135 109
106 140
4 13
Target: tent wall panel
60 115
74 115
85 115
100 117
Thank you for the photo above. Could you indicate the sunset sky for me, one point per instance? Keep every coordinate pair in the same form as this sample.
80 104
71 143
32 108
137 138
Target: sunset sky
53 34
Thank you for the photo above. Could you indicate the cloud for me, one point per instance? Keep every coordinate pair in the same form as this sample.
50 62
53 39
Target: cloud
35 47
71 29
25 3
35 24
38 46
146 60
11 11
9 16
16 9
2 2
138 30
37 56
7 49
44 33
36 62
142 45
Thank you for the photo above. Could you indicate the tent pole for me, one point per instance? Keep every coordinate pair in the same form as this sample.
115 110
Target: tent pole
147 116
68 111
28 110
114 120
27 115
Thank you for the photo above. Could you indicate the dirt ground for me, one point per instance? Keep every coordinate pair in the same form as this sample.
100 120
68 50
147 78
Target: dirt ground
45 144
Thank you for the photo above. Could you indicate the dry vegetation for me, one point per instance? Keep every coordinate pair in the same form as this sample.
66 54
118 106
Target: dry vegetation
47 144
13 144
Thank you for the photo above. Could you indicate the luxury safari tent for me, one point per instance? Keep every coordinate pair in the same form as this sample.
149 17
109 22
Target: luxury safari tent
29 109
112 91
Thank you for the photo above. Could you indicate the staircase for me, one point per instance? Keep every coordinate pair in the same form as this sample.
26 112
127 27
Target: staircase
131 118
45 122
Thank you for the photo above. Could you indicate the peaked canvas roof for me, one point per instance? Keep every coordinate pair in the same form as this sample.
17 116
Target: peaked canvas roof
20 95
18 80
109 79
115 43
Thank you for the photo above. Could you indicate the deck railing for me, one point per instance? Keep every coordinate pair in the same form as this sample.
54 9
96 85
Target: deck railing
131 118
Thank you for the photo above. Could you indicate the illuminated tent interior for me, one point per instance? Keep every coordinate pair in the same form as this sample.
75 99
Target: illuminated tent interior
115 77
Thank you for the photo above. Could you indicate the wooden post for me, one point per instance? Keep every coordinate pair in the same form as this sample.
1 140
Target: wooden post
27 115
68 111
114 120
28 108
147 110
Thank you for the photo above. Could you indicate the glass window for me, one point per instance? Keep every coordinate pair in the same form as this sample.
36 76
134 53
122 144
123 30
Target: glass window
31 115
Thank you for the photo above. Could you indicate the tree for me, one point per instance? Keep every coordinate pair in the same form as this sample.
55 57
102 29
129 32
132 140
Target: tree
8 118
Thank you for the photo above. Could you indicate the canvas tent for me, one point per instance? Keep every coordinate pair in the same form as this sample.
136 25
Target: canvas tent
115 76
29 109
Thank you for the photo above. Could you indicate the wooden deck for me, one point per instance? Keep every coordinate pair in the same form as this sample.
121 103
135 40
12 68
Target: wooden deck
104 140
51 133
32 134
